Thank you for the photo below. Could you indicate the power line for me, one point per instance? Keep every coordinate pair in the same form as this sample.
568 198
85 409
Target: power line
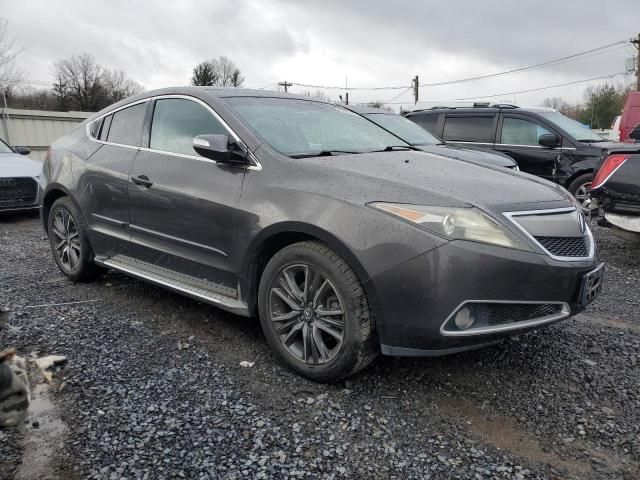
397 96
544 88
557 61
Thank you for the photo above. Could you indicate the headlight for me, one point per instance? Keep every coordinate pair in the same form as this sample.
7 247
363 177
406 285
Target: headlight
454 223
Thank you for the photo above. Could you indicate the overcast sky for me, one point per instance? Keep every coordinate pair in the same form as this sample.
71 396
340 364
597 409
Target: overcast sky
367 43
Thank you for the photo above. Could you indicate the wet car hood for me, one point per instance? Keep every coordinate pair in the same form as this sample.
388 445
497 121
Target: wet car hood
416 176
615 146
485 158
15 165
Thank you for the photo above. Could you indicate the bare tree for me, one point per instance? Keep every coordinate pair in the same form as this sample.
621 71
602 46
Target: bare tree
556 103
220 72
118 86
9 75
318 95
83 84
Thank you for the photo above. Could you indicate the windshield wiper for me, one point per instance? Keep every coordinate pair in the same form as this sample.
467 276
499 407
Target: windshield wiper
322 153
391 148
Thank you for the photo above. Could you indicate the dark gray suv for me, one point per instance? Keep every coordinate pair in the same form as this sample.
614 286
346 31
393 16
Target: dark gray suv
341 237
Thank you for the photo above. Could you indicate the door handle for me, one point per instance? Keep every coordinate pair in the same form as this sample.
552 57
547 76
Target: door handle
142 180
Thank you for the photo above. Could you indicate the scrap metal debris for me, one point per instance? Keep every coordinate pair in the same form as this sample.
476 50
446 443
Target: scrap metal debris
14 389
47 365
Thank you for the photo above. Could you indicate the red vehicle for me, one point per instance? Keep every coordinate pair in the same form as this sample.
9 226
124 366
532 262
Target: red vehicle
630 118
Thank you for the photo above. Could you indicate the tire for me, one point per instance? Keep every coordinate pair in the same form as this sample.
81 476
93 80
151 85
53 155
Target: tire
578 187
333 287
78 263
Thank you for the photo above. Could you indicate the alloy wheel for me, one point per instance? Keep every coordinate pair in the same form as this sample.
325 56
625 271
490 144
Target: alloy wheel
66 239
582 196
308 314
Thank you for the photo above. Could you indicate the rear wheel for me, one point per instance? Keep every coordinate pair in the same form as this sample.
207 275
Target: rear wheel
315 314
69 241
579 188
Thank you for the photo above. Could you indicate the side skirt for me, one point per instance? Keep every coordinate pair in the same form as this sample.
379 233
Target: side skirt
218 295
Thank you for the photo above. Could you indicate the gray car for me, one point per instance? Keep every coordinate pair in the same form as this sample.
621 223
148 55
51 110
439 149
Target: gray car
418 137
342 238
19 177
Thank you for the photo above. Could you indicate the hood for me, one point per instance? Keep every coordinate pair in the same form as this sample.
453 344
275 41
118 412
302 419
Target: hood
610 147
416 176
475 156
15 165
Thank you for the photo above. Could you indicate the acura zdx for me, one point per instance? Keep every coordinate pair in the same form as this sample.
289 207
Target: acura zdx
343 239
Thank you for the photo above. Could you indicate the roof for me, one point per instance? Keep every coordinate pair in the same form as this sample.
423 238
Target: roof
486 109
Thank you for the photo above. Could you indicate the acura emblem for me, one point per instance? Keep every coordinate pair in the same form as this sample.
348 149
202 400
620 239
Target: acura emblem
582 223
7 182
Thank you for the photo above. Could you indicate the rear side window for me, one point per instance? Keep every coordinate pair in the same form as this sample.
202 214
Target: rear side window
105 128
126 126
177 121
426 120
468 129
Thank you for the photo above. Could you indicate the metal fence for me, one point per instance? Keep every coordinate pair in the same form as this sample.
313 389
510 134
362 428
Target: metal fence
37 129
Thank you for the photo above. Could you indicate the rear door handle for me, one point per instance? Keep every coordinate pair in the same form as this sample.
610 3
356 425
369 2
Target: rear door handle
142 180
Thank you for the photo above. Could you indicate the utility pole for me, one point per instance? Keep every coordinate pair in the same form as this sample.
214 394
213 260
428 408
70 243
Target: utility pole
416 86
636 42
285 85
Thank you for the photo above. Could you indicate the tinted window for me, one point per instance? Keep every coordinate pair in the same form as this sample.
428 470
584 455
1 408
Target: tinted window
126 126
177 121
426 120
518 131
105 128
468 129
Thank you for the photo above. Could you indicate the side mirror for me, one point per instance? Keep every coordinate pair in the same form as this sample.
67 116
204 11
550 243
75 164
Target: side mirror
548 140
22 150
220 149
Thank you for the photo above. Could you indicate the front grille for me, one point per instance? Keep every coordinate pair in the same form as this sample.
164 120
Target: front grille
565 246
501 313
15 192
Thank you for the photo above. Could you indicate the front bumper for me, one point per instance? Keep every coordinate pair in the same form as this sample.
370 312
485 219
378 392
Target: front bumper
416 298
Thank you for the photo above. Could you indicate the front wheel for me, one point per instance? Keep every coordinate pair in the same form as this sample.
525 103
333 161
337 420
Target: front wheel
69 241
579 188
315 314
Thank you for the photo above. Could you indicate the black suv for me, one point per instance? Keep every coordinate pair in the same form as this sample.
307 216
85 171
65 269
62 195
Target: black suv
543 141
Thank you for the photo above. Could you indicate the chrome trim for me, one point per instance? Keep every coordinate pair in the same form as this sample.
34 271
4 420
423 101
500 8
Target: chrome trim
136 228
113 221
550 211
232 305
564 313
256 166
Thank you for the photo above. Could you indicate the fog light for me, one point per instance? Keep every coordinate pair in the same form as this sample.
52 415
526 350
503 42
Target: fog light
464 319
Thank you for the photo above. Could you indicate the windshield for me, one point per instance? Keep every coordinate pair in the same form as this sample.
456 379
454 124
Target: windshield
577 130
407 130
4 148
306 128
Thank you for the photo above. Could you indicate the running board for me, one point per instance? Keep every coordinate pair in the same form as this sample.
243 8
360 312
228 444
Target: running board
157 275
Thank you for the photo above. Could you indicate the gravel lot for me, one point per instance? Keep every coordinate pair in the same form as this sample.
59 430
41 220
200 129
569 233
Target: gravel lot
153 388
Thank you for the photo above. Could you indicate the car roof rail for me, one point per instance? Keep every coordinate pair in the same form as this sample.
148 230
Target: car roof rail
504 105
